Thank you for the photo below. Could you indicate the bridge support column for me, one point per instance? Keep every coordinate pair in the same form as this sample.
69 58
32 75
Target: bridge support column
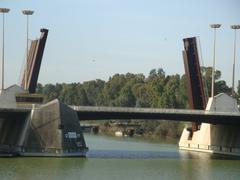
221 139
54 130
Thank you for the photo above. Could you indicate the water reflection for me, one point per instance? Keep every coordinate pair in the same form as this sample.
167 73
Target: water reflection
205 156
123 159
39 168
199 165
119 154
131 148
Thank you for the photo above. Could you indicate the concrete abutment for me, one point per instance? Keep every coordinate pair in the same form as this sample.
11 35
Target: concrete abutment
220 139
51 129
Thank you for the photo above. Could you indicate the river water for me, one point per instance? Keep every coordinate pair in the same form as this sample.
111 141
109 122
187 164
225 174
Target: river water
123 159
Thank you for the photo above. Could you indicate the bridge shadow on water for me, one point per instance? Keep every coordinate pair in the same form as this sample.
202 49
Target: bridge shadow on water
105 147
177 155
120 154
206 156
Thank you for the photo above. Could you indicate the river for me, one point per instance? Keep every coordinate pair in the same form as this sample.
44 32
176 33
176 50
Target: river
123 159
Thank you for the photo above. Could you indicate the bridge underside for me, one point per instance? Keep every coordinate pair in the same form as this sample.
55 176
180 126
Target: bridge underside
119 113
107 113
11 125
110 113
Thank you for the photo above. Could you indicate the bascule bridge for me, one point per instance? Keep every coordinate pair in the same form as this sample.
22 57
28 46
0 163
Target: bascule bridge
30 128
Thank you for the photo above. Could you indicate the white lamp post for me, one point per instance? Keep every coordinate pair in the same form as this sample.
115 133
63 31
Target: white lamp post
27 13
234 27
214 26
3 11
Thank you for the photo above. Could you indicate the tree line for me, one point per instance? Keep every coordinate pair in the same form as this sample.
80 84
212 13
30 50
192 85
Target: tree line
157 90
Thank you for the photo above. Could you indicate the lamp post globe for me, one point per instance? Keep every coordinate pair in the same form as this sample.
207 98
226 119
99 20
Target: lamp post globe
27 12
215 26
4 10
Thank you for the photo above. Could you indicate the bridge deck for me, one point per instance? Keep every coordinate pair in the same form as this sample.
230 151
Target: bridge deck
121 113
104 113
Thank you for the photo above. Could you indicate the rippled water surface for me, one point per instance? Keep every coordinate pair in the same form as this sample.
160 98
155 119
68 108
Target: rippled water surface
123 158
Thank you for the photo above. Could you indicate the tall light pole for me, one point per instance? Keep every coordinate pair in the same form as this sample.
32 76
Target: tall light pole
214 26
27 13
234 27
3 11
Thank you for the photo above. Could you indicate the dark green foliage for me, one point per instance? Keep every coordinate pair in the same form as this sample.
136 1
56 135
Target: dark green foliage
93 91
220 85
129 90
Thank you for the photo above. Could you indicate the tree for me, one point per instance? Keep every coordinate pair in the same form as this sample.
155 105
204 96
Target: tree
112 89
169 96
93 90
49 92
81 96
182 96
39 88
220 85
142 95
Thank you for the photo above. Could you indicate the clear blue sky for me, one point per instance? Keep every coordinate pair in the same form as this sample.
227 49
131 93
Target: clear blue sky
94 39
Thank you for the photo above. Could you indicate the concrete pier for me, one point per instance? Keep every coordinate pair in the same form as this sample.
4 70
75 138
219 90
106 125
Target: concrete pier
51 129
221 139
54 130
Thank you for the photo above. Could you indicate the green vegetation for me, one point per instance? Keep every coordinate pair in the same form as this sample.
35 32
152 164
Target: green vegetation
158 90
220 85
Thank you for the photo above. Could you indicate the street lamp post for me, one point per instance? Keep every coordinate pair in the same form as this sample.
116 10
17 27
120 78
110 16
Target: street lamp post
3 11
234 27
27 13
214 26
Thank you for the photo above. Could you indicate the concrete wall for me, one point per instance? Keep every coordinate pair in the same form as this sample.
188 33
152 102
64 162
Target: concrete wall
8 99
71 129
228 136
10 130
54 130
43 131
222 103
